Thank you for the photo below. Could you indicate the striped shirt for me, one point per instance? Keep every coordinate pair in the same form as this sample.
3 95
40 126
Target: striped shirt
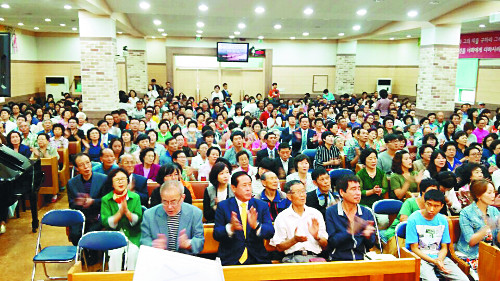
173 231
324 154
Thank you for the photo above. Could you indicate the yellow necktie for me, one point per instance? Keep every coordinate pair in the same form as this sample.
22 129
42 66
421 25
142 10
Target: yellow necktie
244 256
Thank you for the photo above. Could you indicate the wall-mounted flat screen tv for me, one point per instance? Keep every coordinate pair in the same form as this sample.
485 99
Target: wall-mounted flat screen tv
232 52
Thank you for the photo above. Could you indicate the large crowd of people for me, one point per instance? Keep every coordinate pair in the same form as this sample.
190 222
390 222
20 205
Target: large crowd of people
268 164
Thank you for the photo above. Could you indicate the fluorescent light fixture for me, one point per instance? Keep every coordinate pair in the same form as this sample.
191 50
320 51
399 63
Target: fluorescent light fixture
144 5
308 11
341 34
203 7
157 22
260 10
67 7
5 6
2 19
277 26
200 24
161 29
324 38
164 34
305 34
74 29
36 28
154 37
119 32
482 25
62 24
199 31
356 27
20 24
261 37
408 36
412 14
392 38
237 33
292 38
198 35
241 25
361 12
48 20
231 36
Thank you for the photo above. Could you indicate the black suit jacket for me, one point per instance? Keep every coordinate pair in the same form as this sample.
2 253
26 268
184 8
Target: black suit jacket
297 143
280 171
263 154
286 136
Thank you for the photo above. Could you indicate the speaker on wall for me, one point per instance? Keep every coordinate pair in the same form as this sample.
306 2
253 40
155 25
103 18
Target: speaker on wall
4 64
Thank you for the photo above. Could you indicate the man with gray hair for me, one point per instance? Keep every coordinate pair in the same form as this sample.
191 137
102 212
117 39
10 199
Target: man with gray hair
173 225
138 184
274 198
82 122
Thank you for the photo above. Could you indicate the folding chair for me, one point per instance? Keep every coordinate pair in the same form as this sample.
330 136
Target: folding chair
311 153
103 241
400 233
57 254
385 207
336 174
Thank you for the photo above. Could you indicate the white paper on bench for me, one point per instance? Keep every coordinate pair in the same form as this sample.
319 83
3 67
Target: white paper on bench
158 265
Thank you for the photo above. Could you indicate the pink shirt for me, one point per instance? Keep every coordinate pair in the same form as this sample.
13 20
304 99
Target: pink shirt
480 134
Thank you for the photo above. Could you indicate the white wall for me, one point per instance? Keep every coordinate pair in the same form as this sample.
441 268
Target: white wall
155 51
58 48
132 43
403 52
26 47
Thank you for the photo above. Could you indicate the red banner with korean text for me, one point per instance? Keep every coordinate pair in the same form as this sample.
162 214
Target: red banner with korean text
484 45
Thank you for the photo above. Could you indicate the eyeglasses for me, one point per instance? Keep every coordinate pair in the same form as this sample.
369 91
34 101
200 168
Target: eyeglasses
299 192
172 203
120 180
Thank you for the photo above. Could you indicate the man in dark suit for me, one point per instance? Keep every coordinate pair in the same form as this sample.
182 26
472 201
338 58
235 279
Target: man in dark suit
322 197
303 138
287 133
139 183
84 194
241 225
103 127
284 163
270 152
173 225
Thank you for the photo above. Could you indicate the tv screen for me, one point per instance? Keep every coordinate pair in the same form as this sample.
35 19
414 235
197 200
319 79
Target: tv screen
232 52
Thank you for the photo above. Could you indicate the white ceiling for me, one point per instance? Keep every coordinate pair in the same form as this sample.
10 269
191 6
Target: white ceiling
179 18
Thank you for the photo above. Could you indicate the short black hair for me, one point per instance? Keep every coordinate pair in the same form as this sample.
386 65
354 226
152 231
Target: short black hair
235 176
390 137
143 153
288 185
167 141
176 153
283 145
213 176
426 183
78 155
468 149
435 195
365 153
343 182
447 179
299 158
242 152
237 133
165 170
316 173
423 147
213 148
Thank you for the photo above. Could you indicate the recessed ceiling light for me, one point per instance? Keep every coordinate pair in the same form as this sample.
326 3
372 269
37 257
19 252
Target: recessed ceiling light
341 34
74 29
241 25
305 34
356 27
36 28
200 24
260 10
482 25
261 37
292 38
198 35
392 38
277 26
20 24
408 36
412 14
154 37
231 36
48 20
62 24
237 33
308 11
164 34
361 12
199 31
2 19
324 38
119 32
161 29
67 7
144 5
157 22
5 6
203 7
434 2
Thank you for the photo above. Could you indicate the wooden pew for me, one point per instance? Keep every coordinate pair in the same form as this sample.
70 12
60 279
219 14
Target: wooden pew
64 171
404 269
152 186
50 184
198 203
199 188
454 227
489 261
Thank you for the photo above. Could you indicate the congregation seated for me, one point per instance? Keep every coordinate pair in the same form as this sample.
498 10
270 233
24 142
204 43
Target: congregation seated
372 180
107 162
137 183
275 199
169 172
323 196
218 190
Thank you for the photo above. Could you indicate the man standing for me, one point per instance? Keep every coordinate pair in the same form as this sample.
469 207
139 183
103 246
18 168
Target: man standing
237 138
173 225
274 93
349 225
322 197
169 91
287 133
300 230
5 121
270 152
225 92
428 236
303 138
84 194
241 225
266 114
